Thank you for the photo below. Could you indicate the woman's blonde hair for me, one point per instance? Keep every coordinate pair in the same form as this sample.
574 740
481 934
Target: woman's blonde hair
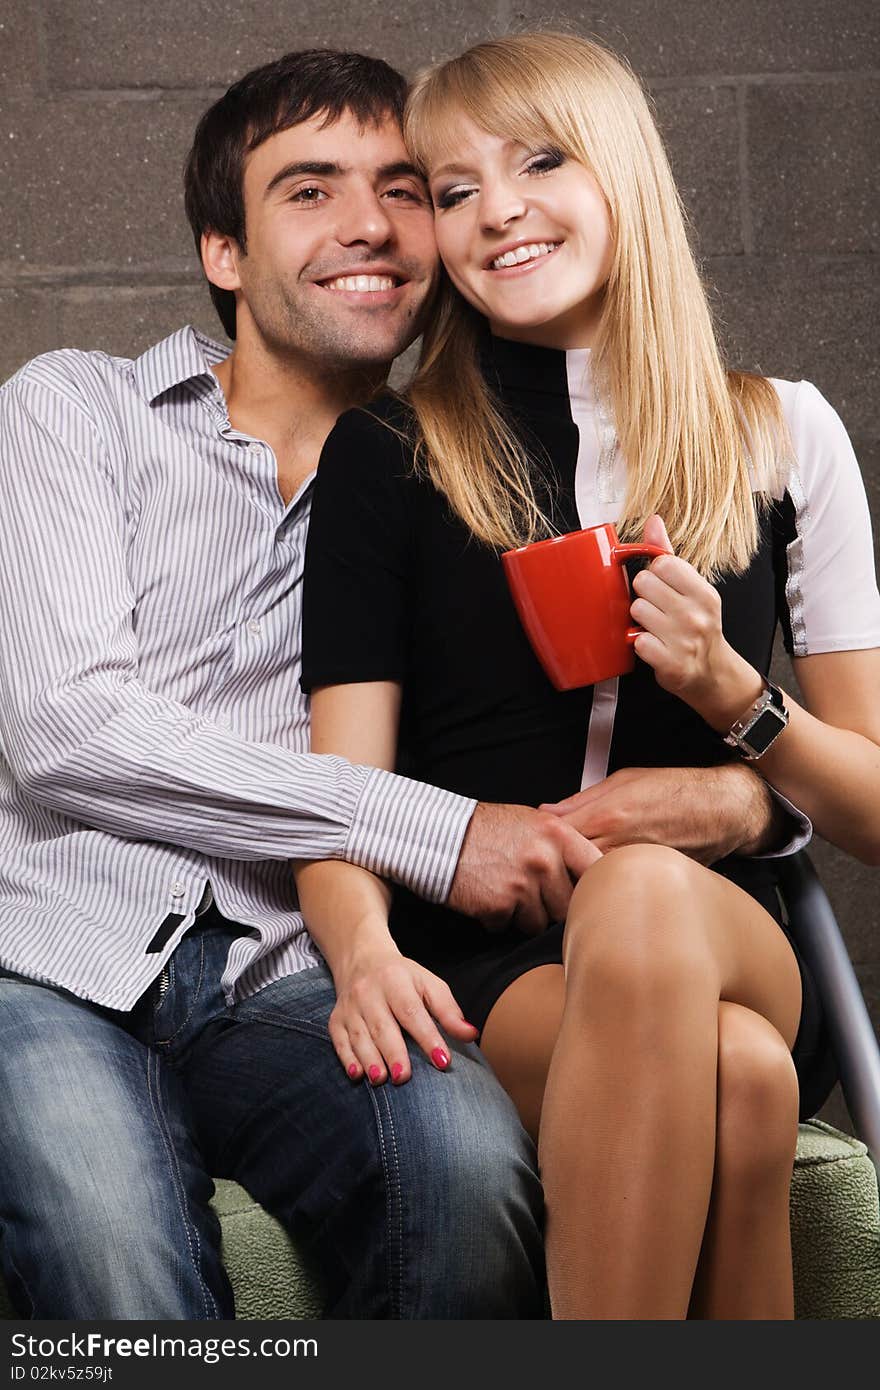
688 429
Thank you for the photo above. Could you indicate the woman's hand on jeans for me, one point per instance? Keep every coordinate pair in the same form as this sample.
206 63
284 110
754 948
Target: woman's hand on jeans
380 995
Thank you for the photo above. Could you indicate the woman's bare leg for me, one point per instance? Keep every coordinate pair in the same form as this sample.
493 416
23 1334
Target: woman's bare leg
627 1136
745 1262
744 1269
519 1038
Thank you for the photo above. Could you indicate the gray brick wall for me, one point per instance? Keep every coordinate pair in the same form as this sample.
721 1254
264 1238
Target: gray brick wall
768 111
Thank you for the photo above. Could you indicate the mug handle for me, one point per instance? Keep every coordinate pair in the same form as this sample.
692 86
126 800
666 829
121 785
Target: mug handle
619 553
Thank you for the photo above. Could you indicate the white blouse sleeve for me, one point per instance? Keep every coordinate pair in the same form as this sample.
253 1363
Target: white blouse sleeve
831 598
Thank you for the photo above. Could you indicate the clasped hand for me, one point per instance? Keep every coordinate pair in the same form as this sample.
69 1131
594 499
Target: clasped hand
681 615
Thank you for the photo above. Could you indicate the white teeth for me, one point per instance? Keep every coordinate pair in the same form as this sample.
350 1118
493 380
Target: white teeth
362 284
523 254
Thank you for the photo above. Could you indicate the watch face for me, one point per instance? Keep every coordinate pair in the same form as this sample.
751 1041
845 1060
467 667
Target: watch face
765 728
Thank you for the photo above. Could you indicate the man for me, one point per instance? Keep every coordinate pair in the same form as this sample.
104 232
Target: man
163 1012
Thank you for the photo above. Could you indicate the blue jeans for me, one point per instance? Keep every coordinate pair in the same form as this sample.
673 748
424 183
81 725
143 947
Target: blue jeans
414 1201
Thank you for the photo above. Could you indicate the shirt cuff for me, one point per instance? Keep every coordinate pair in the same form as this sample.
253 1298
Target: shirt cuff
408 832
801 830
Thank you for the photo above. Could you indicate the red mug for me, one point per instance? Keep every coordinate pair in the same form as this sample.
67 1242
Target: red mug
572 595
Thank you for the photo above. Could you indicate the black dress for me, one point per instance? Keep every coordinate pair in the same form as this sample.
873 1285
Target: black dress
397 588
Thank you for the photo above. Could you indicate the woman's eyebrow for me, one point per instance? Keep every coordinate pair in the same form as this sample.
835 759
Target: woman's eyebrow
449 169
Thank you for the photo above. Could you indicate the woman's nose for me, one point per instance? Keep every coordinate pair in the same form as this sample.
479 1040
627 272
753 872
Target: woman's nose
500 204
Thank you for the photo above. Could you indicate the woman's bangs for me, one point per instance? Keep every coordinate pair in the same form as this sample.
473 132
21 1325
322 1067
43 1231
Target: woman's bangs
433 120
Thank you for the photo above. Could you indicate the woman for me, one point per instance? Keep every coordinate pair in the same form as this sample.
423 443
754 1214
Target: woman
571 377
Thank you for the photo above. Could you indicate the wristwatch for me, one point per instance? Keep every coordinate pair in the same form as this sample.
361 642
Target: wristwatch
762 722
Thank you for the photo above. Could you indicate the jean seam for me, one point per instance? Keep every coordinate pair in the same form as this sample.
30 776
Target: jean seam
394 1205
279 1020
179 1186
164 1042
20 1277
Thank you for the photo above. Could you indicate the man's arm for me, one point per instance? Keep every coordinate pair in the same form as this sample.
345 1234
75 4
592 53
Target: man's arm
707 813
83 734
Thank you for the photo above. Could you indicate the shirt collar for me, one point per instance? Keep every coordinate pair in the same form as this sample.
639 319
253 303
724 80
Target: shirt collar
181 357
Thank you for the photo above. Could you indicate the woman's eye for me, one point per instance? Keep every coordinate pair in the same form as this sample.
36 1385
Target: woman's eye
545 161
451 197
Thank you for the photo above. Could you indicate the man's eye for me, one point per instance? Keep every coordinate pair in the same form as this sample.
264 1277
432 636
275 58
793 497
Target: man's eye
308 195
400 193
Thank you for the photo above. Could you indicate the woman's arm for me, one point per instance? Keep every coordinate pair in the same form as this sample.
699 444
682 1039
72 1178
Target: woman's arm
346 911
828 759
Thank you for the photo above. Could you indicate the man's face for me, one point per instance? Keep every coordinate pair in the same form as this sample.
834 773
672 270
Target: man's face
341 257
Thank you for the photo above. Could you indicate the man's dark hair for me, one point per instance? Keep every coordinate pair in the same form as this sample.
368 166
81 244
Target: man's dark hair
293 89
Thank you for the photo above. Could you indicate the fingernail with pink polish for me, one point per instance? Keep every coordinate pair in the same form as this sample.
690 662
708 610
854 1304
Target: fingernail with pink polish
440 1058
354 1071
396 1070
374 1073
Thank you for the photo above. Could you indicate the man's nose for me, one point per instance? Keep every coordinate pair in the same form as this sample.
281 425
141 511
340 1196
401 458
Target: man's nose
364 218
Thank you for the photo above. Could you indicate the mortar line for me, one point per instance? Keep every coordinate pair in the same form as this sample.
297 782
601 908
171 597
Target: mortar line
503 17
745 191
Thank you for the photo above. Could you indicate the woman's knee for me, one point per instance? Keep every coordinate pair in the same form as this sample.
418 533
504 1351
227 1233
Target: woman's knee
638 873
757 1097
631 927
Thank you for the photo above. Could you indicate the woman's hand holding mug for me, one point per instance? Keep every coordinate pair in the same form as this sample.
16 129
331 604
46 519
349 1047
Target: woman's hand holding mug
683 640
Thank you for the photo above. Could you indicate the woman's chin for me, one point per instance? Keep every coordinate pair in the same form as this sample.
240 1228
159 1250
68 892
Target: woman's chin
519 325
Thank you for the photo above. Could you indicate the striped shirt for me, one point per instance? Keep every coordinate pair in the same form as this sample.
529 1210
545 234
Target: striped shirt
153 735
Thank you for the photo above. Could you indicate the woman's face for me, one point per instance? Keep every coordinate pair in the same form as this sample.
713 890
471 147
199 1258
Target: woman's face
525 235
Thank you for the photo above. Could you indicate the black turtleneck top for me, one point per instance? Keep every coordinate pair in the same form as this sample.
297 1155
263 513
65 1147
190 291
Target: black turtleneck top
397 588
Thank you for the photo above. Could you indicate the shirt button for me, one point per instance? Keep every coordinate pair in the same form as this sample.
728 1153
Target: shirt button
254 626
178 889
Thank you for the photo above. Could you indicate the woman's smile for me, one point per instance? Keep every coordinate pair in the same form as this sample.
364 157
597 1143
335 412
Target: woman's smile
525 235
523 256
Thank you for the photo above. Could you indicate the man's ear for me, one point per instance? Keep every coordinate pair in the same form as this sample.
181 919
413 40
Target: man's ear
220 257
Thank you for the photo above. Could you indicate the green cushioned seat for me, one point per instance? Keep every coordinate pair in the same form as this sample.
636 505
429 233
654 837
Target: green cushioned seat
835 1228
268 1275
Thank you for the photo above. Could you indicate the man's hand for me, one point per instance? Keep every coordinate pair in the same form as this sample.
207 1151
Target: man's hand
706 812
518 867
